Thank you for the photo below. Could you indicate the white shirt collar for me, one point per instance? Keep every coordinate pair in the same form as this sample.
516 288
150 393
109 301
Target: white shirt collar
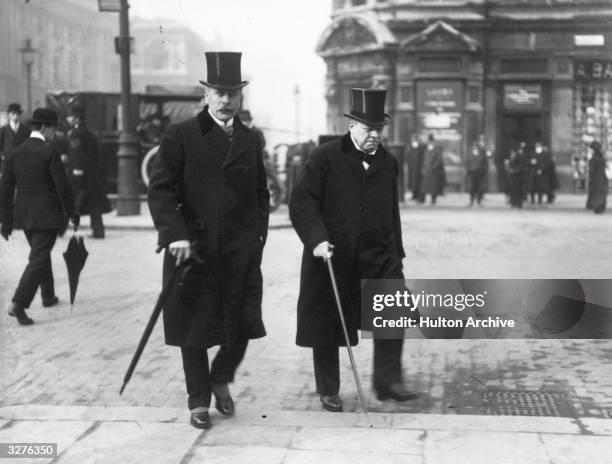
37 135
219 122
14 126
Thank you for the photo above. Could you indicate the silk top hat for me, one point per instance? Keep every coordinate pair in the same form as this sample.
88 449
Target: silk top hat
14 108
369 106
44 116
224 70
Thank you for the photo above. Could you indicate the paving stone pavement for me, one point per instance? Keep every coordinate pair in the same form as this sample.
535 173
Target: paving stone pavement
78 357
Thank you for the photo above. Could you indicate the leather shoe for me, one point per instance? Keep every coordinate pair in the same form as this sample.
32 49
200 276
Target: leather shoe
331 403
223 400
397 392
50 302
200 420
19 312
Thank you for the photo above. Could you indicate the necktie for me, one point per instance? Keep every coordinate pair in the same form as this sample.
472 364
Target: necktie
229 131
366 157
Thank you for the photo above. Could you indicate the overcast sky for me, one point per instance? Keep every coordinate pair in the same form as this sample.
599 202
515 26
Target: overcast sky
277 38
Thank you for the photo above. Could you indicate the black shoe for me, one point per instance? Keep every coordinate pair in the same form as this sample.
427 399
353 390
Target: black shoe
331 403
396 392
50 302
200 420
223 400
19 312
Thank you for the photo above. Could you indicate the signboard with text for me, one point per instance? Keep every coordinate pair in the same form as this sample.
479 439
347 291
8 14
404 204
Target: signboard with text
109 5
440 112
523 96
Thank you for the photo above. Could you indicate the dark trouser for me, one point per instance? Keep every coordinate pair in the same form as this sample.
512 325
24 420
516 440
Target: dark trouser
387 366
198 377
38 271
97 226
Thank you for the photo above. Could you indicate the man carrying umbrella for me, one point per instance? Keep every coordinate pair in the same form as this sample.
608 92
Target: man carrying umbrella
35 196
208 195
347 196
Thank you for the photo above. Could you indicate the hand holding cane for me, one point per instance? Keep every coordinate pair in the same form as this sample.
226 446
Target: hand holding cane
332 275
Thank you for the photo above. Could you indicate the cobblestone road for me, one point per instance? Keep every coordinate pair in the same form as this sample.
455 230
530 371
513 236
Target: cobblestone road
79 357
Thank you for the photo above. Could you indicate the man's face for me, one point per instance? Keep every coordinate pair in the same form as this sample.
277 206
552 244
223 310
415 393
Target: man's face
223 104
71 120
49 132
14 117
367 136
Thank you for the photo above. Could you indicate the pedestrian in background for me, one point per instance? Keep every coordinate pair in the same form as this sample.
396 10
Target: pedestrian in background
598 180
35 196
433 177
209 202
518 169
347 195
13 134
477 172
414 154
87 178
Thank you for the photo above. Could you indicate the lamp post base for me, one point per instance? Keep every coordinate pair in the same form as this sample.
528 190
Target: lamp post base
128 200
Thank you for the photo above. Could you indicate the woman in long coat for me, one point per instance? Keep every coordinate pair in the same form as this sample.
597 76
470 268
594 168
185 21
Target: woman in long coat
598 181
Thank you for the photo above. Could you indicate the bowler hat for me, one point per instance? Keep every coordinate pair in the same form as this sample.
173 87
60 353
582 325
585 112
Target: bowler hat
224 70
14 108
368 106
44 116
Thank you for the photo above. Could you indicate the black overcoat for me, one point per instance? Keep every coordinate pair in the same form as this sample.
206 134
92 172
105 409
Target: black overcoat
10 140
206 191
89 189
477 171
337 200
34 189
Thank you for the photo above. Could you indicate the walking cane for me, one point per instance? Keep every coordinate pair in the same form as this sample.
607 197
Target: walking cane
364 407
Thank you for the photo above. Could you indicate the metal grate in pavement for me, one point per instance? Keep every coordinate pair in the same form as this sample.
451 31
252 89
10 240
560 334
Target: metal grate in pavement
526 403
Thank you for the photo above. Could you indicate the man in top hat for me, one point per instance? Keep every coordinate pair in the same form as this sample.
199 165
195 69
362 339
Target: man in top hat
35 196
86 175
347 196
14 133
210 204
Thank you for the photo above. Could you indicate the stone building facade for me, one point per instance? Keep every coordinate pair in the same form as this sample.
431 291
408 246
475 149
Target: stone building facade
514 70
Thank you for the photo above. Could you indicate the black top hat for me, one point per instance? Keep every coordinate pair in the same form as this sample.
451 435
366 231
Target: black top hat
44 116
369 106
224 70
14 108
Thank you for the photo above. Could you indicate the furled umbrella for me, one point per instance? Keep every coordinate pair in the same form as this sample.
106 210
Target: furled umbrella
75 257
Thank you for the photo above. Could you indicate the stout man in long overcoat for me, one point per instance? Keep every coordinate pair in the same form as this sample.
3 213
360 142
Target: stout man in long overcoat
208 195
347 195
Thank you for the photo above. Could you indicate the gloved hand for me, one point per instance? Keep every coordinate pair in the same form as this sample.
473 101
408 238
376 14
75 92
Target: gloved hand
6 230
323 250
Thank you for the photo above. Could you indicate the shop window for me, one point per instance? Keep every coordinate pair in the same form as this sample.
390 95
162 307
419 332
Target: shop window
441 64
406 94
523 66
473 95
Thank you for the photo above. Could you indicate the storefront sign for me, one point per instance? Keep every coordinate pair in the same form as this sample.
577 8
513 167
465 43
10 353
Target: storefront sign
522 96
440 112
593 70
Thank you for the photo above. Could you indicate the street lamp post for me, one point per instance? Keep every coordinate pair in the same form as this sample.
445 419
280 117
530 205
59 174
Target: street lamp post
128 200
27 54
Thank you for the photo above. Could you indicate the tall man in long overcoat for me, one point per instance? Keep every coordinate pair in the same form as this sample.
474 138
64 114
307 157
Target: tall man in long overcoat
35 196
347 195
14 133
86 171
209 200
477 172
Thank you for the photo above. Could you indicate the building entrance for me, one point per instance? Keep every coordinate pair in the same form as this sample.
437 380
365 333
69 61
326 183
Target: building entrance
517 128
